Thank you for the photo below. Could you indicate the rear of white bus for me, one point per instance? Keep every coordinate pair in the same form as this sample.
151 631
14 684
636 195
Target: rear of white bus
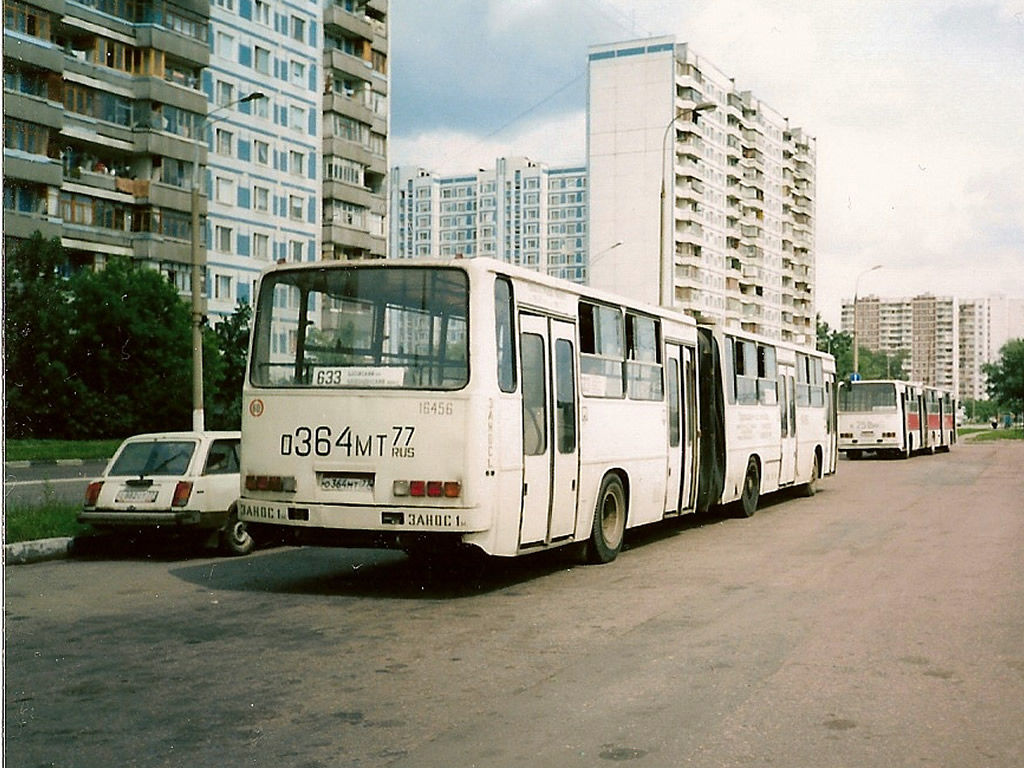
870 418
358 416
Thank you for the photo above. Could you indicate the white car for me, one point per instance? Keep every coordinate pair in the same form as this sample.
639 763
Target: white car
173 481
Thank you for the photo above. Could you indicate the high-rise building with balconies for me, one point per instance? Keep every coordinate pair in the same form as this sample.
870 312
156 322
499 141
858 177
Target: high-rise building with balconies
708 192
103 102
356 117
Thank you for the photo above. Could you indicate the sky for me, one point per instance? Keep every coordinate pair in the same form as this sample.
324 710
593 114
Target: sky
917 107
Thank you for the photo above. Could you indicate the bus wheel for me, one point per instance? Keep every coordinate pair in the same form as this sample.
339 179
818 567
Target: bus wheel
235 539
811 486
751 489
609 522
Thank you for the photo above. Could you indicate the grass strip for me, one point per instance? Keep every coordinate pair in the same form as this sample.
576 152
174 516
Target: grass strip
53 450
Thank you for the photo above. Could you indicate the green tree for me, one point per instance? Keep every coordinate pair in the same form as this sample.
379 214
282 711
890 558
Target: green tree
37 316
129 352
231 336
1006 376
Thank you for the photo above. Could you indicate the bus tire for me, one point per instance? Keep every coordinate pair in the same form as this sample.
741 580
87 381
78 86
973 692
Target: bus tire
609 526
235 539
751 493
811 486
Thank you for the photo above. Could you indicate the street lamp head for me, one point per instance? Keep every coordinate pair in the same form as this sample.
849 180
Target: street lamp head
252 97
706 106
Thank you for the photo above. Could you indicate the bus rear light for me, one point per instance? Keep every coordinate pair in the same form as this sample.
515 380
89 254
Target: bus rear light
92 494
889 434
269 483
449 489
846 435
181 493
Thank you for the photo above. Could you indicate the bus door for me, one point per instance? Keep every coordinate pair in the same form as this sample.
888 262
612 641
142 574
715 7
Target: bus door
787 422
682 436
550 430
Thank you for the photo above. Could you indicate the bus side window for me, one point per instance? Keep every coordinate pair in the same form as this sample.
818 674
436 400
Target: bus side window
565 396
535 417
767 386
505 351
745 363
602 351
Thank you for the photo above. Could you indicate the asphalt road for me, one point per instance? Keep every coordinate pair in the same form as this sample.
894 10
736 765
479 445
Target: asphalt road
34 484
877 624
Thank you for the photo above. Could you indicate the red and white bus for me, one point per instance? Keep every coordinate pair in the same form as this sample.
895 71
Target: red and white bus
422 404
894 418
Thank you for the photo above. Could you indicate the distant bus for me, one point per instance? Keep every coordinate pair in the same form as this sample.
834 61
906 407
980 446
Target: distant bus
895 418
421 405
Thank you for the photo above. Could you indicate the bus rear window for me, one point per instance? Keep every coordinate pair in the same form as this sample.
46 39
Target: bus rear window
864 397
362 327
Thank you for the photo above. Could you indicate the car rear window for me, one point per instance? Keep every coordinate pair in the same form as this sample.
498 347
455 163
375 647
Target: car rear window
154 458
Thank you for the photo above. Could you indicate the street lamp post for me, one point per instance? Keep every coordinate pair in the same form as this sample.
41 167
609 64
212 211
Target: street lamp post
666 294
856 288
198 414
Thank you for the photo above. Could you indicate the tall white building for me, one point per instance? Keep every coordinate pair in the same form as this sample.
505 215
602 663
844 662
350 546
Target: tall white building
706 192
985 326
521 212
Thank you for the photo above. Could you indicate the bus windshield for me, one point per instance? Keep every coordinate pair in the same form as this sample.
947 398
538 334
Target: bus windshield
860 397
362 327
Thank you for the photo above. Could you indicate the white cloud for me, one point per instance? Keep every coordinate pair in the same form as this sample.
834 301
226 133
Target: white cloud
917 107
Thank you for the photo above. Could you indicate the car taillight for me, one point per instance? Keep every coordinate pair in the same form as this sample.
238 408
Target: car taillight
269 483
449 489
181 493
92 493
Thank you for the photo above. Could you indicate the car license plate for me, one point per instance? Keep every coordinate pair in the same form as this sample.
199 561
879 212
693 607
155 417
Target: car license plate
136 496
330 481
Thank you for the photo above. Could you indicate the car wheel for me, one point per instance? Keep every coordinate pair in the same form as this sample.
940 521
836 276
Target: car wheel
235 538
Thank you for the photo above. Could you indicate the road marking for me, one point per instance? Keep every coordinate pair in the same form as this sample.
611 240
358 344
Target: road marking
44 482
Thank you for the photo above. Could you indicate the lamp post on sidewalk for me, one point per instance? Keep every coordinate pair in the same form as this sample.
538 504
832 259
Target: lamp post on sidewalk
665 281
856 288
198 417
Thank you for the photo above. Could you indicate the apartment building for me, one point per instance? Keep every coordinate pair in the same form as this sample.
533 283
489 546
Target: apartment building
110 107
985 326
706 193
103 106
263 172
522 212
924 329
356 119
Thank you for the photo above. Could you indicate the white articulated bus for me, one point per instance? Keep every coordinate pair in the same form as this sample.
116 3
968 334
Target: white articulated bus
779 421
894 418
419 404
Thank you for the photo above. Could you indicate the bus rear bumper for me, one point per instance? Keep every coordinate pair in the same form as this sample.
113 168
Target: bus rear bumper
354 519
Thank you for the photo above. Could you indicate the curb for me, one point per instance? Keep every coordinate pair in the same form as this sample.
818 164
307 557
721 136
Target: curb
46 463
22 552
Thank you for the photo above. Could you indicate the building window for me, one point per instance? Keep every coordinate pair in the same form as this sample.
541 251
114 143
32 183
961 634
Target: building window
223 239
262 152
261 198
262 60
261 12
222 287
224 46
295 163
298 29
296 250
225 93
224 141
225 191
261 247
295 207
298 73
297 118
27 137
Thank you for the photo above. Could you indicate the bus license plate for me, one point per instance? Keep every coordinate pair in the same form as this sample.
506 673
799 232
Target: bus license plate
346 482
135 496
